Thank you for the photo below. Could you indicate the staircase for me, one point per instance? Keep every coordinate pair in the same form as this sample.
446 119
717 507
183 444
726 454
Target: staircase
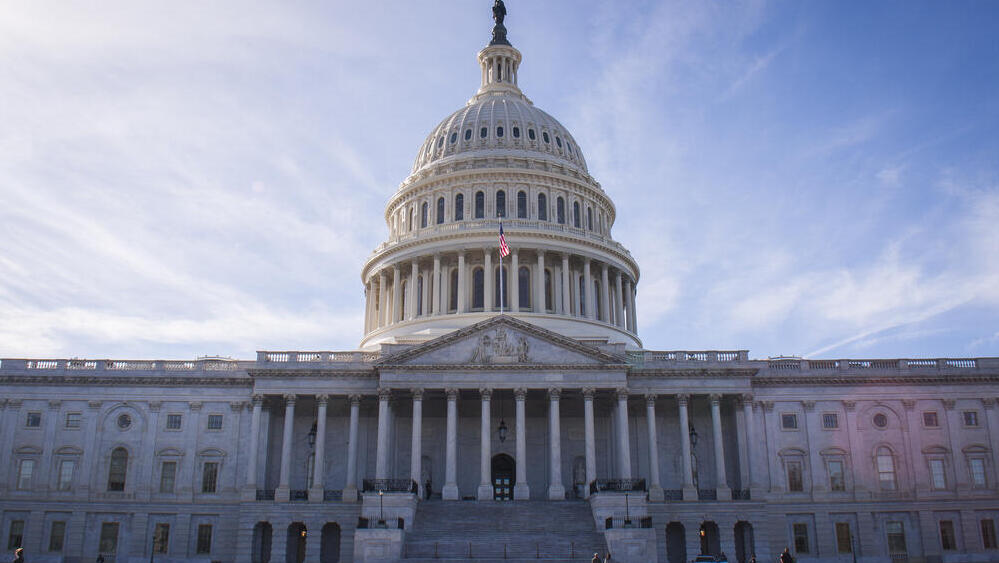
518 531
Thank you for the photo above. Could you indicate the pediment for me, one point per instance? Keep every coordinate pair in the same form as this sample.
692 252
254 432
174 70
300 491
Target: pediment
502 341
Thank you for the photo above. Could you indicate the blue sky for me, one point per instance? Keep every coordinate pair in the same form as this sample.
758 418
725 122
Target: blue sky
809 178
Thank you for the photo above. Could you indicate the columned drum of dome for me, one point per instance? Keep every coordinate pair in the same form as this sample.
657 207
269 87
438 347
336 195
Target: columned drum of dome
500 158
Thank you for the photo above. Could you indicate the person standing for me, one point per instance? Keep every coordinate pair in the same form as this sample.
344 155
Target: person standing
608 558
18 555
785 557
596 558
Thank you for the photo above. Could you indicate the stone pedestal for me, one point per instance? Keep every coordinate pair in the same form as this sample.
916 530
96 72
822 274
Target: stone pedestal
350 494
248 494
449 492
631 545
656 494
689 494
316 494
485 492
521 492
282 494
378 545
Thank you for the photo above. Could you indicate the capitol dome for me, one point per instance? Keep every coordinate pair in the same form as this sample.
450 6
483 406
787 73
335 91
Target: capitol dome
500 160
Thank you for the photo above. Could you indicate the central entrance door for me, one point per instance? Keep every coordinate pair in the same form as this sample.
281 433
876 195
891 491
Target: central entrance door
504 469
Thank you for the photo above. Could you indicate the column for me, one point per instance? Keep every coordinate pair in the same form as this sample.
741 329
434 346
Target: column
618 301
632 310
513 282
623 440
689 491
319 467
462 284
747 414
383 312
450 490
590 441
250 492
587 297
424 311
655 488
396 294
381 456
367 308
487 281
436 285
414 289
283 492
539 284
416 446
485 449
604 294
520 489
555 489
724 492
566 310
350 487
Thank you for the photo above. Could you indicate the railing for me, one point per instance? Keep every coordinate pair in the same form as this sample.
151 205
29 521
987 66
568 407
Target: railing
265 494
673 494
617 485
298 495
707 494
294 357
800 364
741 494
389 485
213 364
465 550
697 356
332 495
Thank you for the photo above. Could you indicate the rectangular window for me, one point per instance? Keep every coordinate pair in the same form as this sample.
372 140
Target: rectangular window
16 535
215 422
794 478
74 420
789 421
56 534
896 537
209 477
947 540
937 476
801 538
830 421
988 534
34 420
204 538
109 538
971 418
837 480
174 421
930 419
168 473
977 467
66 468
844 543
161 538
24 474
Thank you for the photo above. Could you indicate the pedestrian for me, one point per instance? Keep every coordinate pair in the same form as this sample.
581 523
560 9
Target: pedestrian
596 558
752 559
608 558
428 488
100 558
18 555
785 557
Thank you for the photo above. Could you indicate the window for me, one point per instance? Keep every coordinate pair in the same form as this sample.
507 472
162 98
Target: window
454 137
988 528
168 474
977 467
161 538
837 478
210 477
531 135
937 477
204 538
522 205
830 421
885 462
501 203
589 218
560 210
440 142
789 421
483 132
880 420
468 134
174 421
16 535
558 141
516 132
459 207
524 286
501 280
947 540
795 482
109 538
215 422
800 532
480 205
453 298
575 214
440 210
844 541
124 421
499 131
542 207
24 473
424 210
544 137
930 419
118 469
478 289
34 420
74 420
57 533
971 418
66 468
895 533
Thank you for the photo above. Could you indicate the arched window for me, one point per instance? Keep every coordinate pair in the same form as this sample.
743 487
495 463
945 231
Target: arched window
459 207
548 290
597 307
524 286
560 210
885 461
480 205
542 207
575 214
505 284
423 215
118 469
522 205
501 203
589 218
582 297
440 210
453 297
478 289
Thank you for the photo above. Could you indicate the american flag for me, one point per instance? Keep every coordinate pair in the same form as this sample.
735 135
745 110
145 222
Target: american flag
504 249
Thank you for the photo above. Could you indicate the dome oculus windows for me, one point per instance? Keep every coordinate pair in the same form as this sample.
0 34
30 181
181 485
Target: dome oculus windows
501 204
544 136
483 132
459 207
531 135
880 420
124 421
468 134
454 137
499 131
558 141
516 132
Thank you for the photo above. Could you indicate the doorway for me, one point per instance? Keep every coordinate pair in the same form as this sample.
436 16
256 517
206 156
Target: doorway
710 542
745 547
329 548
295 548
503 471
676 543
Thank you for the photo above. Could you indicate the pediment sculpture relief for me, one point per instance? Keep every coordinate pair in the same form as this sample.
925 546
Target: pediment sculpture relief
500 349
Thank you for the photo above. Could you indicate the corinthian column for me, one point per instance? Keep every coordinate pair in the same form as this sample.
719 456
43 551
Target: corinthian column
618 301
462 284
396 294
381 456
450 490
724 492
436 285
350 487
655 489
556 491
485 449
590 441
416 447
283 492
604 294
414 290
689 491
487 280
623 438
566 309
512 281
250 492
316 492
539 284
587 297
520 489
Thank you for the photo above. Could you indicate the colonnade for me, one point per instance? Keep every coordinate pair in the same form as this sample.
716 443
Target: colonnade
558 283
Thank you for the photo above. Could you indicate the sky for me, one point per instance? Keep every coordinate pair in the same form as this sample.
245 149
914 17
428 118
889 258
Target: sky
181 179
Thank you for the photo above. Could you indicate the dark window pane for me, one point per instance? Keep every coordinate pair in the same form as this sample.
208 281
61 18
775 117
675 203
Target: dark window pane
483 132
522 205
454 137
575 214
440 210
524 286
560 211
459 207
531 135
499 131
501 203
478 289
480 205
468 134
542 207
516 132
453 298
118 469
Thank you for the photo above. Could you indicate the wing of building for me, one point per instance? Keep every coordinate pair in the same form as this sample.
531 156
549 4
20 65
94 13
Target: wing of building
500 407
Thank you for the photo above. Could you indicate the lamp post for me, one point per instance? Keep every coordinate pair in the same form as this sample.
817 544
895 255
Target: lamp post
381 508
627 512
501 431
312 435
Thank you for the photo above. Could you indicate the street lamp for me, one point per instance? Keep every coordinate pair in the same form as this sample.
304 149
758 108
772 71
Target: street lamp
312 435
627 512
693 437
502 425
381 509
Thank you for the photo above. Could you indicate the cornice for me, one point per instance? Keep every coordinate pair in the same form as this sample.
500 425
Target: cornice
691 372
844 380
157 381
312 372
502 367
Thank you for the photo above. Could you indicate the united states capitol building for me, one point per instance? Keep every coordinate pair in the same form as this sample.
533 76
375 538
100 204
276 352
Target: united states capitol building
500 407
